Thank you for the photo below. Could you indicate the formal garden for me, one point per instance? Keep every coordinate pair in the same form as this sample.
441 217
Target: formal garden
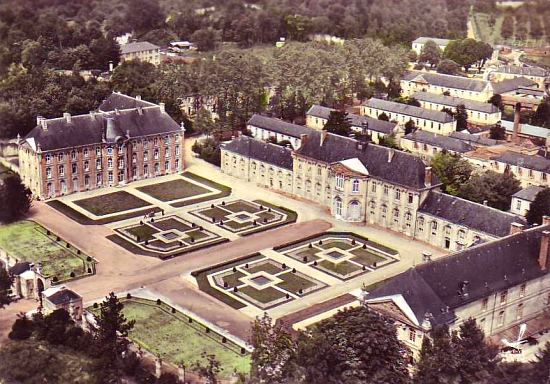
177 338
342 255
245 217
257 280
28 241
164 237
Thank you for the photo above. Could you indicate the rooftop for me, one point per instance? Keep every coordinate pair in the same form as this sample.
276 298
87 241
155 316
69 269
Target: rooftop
447 81
514 84
522 71
438 41
62 296
474 139
357 121
528 193
117 100
409 110
534 162
138 46
456 101
277 125
440 141
260 150
527 129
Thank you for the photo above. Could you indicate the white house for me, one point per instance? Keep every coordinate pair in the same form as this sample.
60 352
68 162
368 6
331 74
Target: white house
419 43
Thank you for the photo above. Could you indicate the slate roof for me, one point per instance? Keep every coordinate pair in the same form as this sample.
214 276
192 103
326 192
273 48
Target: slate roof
120 101
89 129
260 150
63 296
514 84
523 71
528 193
452 101
447 81
409 110
469 214
440 141
434 286
527 129
474 139
375 158
138 46
534 162
279 126
357 121
438 41
20 267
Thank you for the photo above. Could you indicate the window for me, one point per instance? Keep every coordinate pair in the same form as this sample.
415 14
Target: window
531 174
421 224
73 155
396 213
98 178
503 297
412 335
397 194
145 170
500 319
61 170
518 205
340 181
157 168
434 227
60 156
411 198
86 165
49 173
120 177
86 152
177 163
373 187
386 190
519 311
48 158
156 155
167 165
86 180
110 177
384 211
145 155
461 234
98 151
73 168
110 163
447 230
355 185
98 164
177 150
484 304
522 289
120 163
109 150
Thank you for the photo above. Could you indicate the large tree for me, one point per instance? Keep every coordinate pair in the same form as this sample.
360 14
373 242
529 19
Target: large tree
15 198
338 123
539 207
496 189
6 281
448 67
468 52
452 170
430 53
135 78
461 116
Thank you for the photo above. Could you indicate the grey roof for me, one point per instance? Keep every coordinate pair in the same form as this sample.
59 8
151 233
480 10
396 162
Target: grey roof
120 101
374 157
469 214
409 110
514 84
534 162
259 150
92 128
138 46
440 141
474 139
527 129
62 296
279 126
452 101
447 81
523 71
481 271
20 267
438 41
528 193
356 121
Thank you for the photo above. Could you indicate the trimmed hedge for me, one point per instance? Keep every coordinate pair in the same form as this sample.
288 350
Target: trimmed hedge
85 220
291 217
224 191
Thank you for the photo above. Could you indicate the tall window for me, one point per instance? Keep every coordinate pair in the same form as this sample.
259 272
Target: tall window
412 335
120 163
98 178
503 297
156 154
340 181
484 304
373 187
86 165
519 311
110 163
522 289
73 155
500 319
48 158
60 156
98 151
49 173
355 185
411 197
86 180
73 168
61 170
110 177
397 194
98 163
86 152
386 190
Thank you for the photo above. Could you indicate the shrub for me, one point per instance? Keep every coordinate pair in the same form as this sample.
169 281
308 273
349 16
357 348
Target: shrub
128 295
159 302
72 274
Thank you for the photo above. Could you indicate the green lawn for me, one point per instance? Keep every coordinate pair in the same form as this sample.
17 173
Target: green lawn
293 283
344 268
239 206
143 232
216 212
340 244
265 267
173 190
365 257
171 223
176 340
111 203
29 241
233 279
264 296
309 253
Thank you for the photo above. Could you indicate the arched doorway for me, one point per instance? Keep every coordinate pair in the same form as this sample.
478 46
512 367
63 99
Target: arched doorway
354 210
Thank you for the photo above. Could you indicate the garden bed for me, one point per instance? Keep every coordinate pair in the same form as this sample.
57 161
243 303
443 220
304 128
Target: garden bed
224 191
173 190
110 203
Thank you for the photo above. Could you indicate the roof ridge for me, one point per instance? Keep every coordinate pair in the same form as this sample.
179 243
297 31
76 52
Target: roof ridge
476 203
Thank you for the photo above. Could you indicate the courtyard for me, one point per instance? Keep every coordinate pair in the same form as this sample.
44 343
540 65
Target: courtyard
60 260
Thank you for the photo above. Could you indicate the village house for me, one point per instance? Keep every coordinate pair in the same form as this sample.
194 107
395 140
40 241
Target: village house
519 90
317 116
538 135
424 119
501 284
479 113
505 72
60 297
419 43
456 86
268 128
190 104
127 139
521 200
142 51
426 144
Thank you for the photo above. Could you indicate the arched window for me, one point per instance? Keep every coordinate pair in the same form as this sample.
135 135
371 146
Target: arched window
447 230
337 206
340 181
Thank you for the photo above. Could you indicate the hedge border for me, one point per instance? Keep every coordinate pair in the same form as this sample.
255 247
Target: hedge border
291 217
224 191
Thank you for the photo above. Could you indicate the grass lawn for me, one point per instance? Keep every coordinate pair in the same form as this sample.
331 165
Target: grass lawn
293 283
173 190
111 203
268 216
344 268
197 234
29 241
177 340
309 253
237 226
165 246
335 244
267 267
264 296
216 212
224 190
171 223
366 257
143 232
239 206
233 279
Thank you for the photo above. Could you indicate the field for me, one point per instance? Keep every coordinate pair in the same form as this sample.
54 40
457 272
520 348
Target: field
111 203
177 340
30 242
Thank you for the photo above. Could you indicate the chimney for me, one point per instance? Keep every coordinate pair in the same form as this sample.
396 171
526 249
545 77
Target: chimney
544 250
485 202
391 153
545 220
140 110
138 97
428 175
67 117
323 137
162 109
41 122
111 66
517 115
516 228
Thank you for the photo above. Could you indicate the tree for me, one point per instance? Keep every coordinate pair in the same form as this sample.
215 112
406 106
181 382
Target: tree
204 122
542 114
6 282
409 127
110 336
539 207
452 171
54 327
135 78
438 363
209 371
207 39
144 15
338 123
448 67
273 351
383 117
15 199
467 52
22 328
497 132
430 53
388 141
496 100
494 188
461 116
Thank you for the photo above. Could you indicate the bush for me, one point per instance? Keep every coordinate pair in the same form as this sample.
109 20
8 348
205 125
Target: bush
21 329
128 295
159 301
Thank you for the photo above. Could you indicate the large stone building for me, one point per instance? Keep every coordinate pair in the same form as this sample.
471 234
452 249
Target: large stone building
419 43
456 86
142 51
501 284
268 128
427 120
127 139
519 90
505 72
